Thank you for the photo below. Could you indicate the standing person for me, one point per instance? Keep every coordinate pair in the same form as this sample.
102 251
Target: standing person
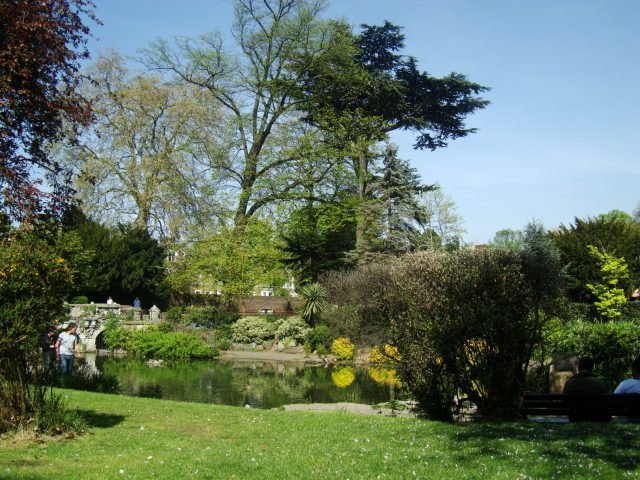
585 384
109 301
48 345
137 302
66 346
631 385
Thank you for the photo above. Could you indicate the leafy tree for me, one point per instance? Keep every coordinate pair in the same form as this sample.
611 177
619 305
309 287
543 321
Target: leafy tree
508 239
609 297
253 89
136 162
41 45
618 238
442 229
362 88
35 277
233 261
124 262
318 237
616 215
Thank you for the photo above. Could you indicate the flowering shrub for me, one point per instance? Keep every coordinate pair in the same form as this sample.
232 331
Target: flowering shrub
252 330
343 376
293 327
343 348
388 354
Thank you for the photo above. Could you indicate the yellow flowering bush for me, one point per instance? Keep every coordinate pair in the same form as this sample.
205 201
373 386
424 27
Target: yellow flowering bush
343 348
343 376
388 354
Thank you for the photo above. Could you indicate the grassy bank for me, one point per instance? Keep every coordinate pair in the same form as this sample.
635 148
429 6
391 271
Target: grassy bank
146 438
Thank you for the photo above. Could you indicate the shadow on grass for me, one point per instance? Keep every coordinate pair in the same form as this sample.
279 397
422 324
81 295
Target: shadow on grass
567 445
100 420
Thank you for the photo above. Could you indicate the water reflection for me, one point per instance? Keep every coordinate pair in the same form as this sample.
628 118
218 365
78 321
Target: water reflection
260 384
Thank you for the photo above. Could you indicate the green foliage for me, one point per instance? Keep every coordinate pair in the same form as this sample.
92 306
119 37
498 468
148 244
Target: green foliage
123 263
232 259
35 278
174 314
508 239
294 328
463 322
79 299
618 238
210 316
318 236
156 342
319 339
343 348
252 330
609 298
612 345
315 301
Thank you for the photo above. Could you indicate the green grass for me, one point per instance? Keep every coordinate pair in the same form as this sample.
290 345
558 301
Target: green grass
146 438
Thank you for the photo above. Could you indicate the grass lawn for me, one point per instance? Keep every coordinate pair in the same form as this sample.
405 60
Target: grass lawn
147 438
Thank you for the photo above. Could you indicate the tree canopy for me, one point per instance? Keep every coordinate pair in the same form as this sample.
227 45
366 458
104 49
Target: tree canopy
42 43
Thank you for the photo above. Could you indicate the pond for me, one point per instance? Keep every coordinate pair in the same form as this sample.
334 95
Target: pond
259 384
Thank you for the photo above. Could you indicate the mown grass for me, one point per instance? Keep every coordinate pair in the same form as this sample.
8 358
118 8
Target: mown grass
148 438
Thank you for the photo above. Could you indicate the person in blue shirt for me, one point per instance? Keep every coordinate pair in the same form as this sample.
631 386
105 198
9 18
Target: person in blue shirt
137 302
631 385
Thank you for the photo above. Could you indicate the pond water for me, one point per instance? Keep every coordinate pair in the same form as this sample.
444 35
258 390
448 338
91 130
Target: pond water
260 384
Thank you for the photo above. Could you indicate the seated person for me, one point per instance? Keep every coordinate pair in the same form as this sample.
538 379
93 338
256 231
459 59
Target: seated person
631 385
585 384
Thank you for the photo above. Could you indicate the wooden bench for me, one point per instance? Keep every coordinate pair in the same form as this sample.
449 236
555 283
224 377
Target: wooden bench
597 408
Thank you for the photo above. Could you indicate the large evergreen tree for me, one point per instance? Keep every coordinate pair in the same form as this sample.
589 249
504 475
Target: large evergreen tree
620 238
361 88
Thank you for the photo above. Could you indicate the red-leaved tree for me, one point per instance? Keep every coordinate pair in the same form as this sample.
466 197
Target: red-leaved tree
42 43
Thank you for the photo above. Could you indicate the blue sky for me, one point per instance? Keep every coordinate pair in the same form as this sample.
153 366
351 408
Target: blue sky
561 138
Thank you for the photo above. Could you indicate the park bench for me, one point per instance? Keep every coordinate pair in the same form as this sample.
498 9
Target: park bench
599 408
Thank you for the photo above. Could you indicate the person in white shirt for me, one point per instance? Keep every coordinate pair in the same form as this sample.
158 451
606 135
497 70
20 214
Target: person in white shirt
631 385
66 346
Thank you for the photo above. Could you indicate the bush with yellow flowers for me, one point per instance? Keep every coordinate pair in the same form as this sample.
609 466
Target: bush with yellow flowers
343 348
388 354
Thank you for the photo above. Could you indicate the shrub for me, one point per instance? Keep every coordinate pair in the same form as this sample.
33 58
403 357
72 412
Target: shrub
174 314
612 345
252 330
209 316
388 354
465 327
343 348
79 299
319 340
294 328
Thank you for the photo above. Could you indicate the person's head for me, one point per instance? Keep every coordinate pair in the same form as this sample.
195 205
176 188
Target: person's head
72 327
635 368
586 364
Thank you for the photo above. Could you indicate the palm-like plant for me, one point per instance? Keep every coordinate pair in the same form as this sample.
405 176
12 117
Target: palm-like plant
315 301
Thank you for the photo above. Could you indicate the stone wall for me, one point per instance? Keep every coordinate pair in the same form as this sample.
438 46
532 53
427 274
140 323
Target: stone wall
279 306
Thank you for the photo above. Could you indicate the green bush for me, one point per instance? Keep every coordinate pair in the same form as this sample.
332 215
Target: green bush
174 314
252 330
612 345
294 328
155 343
79 299
209 316
319 340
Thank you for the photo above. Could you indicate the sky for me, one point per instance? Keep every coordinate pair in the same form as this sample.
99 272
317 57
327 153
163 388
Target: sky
561 137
